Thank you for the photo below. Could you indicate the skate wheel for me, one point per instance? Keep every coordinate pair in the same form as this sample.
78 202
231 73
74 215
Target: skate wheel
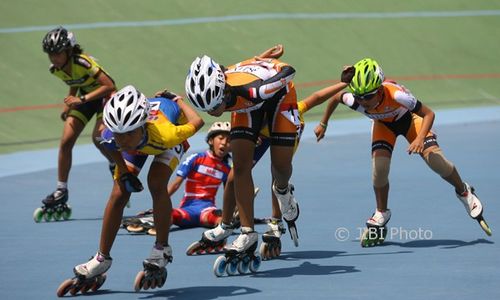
294 235
65 287
152 231
365 241
153 283
98 283
263 250
135 228
66 214
243 265
232 267
192 249
85 288
255 264
38 215
73 290
277 251
47 216
485 227
139 280
57 215
146 284
163 278
220 266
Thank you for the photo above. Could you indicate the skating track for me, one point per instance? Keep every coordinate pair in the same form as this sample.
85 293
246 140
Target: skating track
434 250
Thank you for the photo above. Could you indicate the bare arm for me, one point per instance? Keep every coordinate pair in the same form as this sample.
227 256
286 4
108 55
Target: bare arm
105 89
417 146
345 79
120 162
322 95
191 115
273 52
320 129
174 185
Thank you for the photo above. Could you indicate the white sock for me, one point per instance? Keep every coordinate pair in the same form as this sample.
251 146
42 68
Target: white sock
62 185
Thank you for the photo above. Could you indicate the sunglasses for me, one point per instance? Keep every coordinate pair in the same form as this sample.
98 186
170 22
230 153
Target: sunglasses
366 97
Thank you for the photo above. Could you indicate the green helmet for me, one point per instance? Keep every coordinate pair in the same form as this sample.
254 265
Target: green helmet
367 78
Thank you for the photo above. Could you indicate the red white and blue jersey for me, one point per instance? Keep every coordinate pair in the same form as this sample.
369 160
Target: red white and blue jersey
203 173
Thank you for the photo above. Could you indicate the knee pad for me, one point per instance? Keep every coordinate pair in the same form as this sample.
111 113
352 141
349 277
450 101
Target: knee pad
380 170
438 163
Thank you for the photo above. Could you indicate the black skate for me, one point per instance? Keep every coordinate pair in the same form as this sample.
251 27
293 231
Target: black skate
373 235
54 207
153 276
234 262
150 278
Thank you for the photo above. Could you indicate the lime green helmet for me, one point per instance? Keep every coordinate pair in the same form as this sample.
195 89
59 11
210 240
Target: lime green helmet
367 78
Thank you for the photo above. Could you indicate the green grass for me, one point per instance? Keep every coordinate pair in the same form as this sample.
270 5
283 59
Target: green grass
156 57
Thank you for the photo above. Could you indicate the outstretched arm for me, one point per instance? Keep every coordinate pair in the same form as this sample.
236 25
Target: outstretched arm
320 129
345 79
322 95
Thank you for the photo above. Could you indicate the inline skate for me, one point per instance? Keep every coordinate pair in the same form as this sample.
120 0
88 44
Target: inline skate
54 207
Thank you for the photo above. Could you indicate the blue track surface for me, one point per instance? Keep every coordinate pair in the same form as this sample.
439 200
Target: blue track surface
434 250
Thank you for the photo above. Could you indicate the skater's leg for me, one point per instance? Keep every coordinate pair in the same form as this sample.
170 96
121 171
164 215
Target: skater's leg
180 217
73 127
96 138
229 200
158 177
112 217
434 158
210 217
381 160
243 150
276 212
281 165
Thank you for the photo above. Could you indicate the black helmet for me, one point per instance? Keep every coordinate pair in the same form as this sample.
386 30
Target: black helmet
58 40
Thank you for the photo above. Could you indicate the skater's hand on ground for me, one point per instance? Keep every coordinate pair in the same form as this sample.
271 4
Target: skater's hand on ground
131 183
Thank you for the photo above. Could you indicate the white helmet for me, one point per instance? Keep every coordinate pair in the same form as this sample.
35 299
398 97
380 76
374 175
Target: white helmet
205 84
127 110
216 128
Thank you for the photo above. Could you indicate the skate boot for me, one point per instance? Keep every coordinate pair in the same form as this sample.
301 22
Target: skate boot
54 207
88 276
289 209
271 240
155 272
375 231
212 241
474 207
240 256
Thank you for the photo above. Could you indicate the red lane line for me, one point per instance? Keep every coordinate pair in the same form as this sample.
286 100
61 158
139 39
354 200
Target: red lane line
33 107
301 85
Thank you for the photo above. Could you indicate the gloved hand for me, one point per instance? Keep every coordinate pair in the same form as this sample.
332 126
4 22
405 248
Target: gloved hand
131 183
347 74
